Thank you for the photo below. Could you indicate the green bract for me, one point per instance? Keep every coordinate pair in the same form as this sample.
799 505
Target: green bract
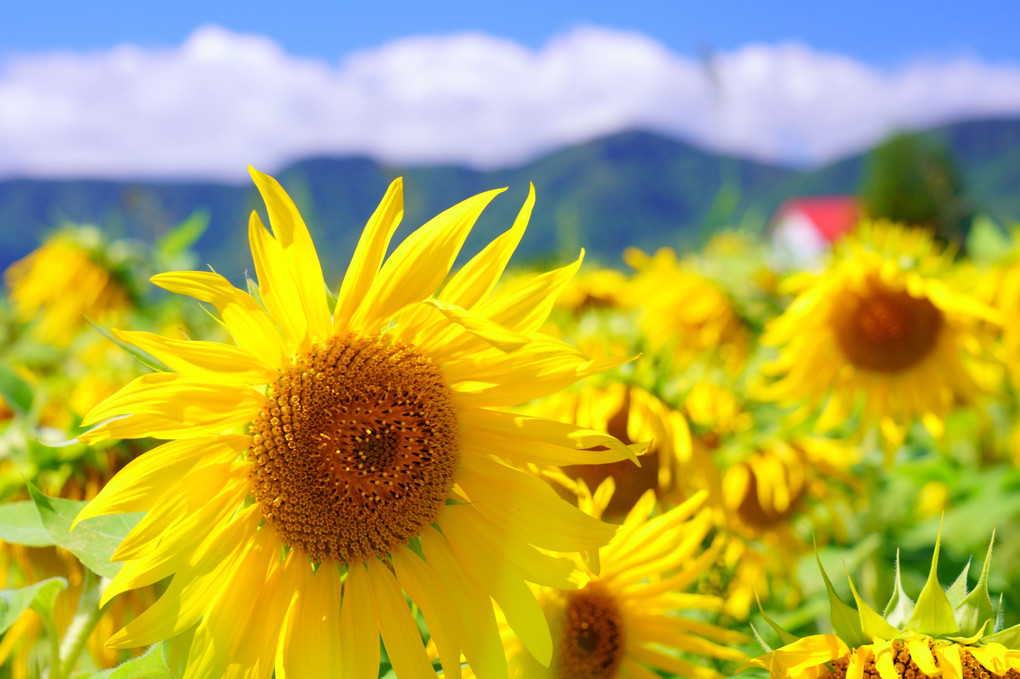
952 614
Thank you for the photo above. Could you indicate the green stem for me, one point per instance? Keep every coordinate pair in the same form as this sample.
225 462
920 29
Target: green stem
80 629
51 631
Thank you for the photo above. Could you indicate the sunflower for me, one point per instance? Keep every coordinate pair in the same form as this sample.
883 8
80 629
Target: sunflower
329 465
683 312
878 334
635 617
593 289
765 485
629 413
64 282
951 633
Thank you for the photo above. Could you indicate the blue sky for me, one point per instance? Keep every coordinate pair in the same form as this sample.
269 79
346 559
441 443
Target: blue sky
883 33
192 89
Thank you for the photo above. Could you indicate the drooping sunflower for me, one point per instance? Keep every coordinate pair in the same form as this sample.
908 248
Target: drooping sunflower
951 633
878 334
334 462
65 281
630 414
635 616
766 484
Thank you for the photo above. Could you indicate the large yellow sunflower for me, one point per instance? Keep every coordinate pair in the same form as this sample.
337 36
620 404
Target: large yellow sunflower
62 283
879 334
332 463
635 617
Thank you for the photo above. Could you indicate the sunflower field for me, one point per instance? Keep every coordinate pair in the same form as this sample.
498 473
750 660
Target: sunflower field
458 464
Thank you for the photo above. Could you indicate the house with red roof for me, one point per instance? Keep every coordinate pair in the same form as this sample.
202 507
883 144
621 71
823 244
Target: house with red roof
802 229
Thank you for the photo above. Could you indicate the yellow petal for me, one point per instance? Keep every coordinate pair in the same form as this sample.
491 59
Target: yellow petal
238 633
298 251
478 326
369 254
672 664
188 596
359 629
175 550
211 360
187 400
248 323
529 508
482 645
528 374
419 265
948 656
885 660
808 652
532 564
526 307
506 587
858 659
991 656
187 506
424 589
477 278
277 287
921 654
142 481
399 632
523 439
311 647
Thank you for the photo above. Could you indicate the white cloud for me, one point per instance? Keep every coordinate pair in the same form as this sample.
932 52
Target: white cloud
223 100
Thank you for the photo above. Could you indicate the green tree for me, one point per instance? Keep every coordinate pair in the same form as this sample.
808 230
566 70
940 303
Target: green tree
914 180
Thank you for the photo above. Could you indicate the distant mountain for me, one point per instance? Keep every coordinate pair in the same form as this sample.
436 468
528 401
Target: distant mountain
634 188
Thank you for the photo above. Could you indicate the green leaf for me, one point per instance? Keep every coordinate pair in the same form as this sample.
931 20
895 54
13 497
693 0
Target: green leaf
846 622
150 665
900 606
1009 637
15 392
957 591
785 636
184 235
975 611
93 541
145 359
872 624
176 651
758 637
14 602
933 615
20 525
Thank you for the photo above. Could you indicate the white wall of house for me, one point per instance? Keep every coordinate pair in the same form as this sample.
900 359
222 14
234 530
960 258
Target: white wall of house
796 242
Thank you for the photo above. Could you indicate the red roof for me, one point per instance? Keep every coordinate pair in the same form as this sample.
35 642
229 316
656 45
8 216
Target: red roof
832 216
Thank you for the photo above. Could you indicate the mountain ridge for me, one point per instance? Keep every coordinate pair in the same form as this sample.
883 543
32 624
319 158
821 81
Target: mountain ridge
630 188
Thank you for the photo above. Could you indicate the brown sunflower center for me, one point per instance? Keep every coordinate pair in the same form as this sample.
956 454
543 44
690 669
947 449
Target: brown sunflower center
593 643
631 480
885 330
356 448
764 513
